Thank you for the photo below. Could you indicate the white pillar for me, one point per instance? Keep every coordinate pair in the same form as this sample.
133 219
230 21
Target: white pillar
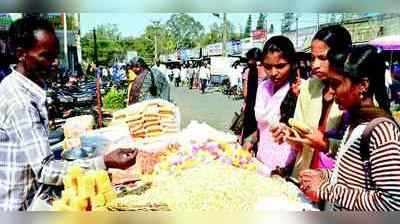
65 39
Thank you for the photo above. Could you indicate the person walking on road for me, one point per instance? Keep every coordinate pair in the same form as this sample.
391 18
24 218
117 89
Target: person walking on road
204 75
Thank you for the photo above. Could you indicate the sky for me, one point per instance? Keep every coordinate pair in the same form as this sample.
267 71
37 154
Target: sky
133 24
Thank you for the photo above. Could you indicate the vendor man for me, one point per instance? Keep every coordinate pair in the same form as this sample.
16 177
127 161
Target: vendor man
24 144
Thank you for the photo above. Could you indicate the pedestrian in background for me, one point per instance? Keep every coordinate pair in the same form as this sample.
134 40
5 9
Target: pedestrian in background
177 75
204 76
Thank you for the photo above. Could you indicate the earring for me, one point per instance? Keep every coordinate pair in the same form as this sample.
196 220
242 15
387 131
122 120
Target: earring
361 95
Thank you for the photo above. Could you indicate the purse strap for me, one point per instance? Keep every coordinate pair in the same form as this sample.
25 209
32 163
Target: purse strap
364 147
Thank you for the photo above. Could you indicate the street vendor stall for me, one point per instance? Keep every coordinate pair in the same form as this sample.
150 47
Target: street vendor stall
195 169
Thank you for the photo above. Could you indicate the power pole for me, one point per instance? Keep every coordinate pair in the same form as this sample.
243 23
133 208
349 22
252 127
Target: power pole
95 47
155 47
224 37
65 39
317 21
297 31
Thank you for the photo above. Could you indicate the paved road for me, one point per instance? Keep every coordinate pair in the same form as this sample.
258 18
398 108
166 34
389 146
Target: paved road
213 108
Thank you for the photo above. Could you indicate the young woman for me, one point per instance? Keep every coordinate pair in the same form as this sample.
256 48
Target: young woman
315 107
275 102
353 184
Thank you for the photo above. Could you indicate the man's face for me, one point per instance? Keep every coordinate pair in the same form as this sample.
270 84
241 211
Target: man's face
41 59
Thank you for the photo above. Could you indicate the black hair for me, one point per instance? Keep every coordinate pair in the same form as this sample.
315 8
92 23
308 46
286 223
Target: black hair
21 34
337 59
364 62
254 54
250 123
304 64
335 36
139 61
285 47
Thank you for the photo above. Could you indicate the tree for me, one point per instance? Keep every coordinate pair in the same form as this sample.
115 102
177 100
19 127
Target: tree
109 44
215 34
261 21
271 28
185 30
247 29
287 22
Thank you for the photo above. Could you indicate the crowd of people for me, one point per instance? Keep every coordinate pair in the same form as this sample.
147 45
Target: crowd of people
191 75
344 156
348 155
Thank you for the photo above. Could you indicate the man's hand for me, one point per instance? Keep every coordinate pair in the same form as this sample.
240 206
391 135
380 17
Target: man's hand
120 158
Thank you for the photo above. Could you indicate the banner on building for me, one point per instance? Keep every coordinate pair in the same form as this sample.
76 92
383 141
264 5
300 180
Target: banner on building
234 47
259 35
215 49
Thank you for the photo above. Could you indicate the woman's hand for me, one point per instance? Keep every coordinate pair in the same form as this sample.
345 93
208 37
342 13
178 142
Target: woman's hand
310 182
279 133
316 140
248 146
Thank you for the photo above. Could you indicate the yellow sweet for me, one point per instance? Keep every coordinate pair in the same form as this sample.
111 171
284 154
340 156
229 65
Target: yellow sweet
70 183
75 172
98 201
67 195
103 183
86 186
110 196
85 191
79 203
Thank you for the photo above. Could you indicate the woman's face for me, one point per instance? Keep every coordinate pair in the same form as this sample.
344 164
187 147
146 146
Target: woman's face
41 58
347 94
277 68
319 60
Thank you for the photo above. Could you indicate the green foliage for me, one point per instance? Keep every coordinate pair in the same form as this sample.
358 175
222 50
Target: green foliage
271 28
287 22
115 99
261 22
215 34
185 30
109 44
180 31
247 30
57 21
